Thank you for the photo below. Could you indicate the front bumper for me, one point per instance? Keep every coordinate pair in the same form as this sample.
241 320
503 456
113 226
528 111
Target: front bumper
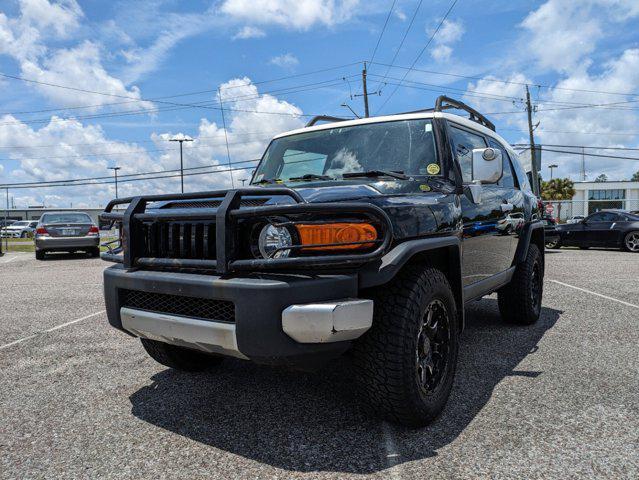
66 243
257 332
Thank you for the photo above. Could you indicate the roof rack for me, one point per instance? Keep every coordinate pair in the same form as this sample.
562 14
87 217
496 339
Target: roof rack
445 103
324 118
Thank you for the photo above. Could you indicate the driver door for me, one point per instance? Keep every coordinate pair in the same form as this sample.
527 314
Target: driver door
486 250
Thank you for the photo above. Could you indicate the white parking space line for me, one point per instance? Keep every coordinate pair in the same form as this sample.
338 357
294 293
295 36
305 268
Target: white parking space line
392 453
53 329
7 260
595 293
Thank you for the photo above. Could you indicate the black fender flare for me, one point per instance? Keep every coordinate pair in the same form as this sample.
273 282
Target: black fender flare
386 268
524 241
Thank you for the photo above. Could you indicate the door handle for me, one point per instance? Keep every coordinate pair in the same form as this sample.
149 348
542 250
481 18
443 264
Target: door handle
507 207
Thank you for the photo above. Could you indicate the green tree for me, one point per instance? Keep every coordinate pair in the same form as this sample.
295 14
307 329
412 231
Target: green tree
602 178
558 189
635 176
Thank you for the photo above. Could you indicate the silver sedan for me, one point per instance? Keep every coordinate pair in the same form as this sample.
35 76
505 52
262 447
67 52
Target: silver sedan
66 232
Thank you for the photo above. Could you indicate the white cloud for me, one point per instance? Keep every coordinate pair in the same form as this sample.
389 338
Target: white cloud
80 66
449 33
63 17
562 33
247 32
295 14
286 60
25 38
73 155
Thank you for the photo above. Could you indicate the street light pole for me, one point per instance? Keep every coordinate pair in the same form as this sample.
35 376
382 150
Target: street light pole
551 169
181 140
115 172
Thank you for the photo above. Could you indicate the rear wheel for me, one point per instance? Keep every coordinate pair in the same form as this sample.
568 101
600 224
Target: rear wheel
520 300
24 235
179 358
631 242
553 244
584 248
95 252
40 254
405 364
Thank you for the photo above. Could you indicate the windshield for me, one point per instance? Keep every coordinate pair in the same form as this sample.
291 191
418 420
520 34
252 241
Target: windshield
50 218
20 224
406 146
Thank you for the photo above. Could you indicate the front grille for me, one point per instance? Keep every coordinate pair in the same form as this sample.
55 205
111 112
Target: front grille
204 308
249 202
180 240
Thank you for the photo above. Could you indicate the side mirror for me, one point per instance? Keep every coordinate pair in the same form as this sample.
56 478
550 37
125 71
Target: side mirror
487 165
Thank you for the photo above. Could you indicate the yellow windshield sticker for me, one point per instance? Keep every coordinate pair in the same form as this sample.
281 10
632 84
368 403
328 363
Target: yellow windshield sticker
432 169
424 188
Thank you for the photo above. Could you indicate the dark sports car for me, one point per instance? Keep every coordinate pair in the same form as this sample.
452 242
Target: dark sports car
608 228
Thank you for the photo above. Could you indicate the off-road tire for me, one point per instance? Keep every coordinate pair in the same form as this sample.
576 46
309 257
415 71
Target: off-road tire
40 254
520 300
626 243
179 358
385 358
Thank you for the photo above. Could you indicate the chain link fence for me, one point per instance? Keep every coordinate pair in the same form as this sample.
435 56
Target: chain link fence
565 209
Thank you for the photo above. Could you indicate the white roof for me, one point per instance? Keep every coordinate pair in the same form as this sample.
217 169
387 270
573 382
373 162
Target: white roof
393 118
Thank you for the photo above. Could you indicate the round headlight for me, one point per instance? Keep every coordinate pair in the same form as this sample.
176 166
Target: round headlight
273 238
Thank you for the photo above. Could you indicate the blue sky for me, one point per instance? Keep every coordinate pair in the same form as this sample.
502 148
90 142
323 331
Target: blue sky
138 53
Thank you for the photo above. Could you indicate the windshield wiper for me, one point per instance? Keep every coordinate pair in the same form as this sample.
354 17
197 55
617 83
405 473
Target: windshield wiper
376 173
266 181
311 176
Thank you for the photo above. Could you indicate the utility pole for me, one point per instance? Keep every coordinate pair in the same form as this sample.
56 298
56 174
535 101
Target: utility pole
535 174
181 140
6 214
553 166
115 172
366 115
583 164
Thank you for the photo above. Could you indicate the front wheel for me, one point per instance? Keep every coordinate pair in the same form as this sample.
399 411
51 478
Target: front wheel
179 358
405 364
553 245
520 300
631 242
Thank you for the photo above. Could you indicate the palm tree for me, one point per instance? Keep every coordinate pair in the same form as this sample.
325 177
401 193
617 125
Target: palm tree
558 189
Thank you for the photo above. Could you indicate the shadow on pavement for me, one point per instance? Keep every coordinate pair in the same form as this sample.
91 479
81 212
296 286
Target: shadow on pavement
312 421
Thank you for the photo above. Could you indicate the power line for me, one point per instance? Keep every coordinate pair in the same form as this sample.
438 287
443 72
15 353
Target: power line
121 178
508 82
128 180
439 26
401 44
130 152
589 154
576 146
381 34
173 105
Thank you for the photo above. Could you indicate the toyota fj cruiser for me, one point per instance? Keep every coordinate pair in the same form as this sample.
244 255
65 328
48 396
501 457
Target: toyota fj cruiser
361 237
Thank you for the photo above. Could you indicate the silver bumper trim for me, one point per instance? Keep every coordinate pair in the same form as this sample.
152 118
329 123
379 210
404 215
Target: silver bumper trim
325 322
208 336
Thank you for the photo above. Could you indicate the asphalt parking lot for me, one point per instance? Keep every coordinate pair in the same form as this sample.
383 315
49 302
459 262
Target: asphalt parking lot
559 399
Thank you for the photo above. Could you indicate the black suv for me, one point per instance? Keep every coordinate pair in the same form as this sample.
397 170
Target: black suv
366 237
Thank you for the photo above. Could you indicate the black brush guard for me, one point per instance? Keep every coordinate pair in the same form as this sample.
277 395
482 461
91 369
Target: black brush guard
226 217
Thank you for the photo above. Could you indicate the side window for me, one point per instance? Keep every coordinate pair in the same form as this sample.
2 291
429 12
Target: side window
463 144
522 178
507 180
597 217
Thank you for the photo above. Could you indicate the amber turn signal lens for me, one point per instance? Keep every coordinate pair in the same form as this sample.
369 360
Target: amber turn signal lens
336 236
